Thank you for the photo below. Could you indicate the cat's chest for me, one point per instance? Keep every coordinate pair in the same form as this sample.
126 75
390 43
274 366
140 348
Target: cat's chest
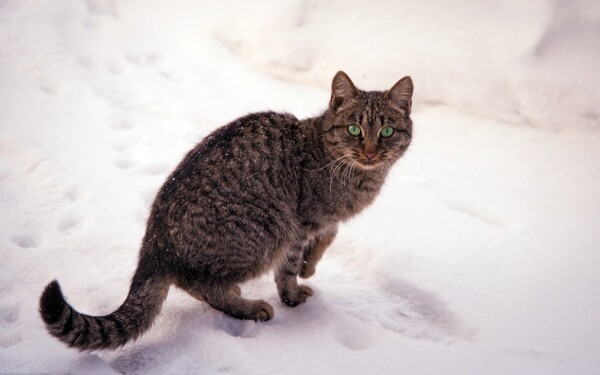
332 201
350 199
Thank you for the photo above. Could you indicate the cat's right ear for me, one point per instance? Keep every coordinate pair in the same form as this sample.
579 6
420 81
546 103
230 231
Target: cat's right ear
342 91
400 95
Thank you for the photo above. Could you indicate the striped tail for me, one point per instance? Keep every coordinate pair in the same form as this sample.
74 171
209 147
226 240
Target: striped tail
87 333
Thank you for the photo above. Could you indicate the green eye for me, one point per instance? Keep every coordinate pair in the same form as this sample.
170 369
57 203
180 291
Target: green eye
387 132
354 130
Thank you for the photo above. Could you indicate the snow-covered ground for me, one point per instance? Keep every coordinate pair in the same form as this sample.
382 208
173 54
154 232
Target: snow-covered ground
481 256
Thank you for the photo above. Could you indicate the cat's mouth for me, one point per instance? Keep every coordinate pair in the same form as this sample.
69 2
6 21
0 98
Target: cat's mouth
369 163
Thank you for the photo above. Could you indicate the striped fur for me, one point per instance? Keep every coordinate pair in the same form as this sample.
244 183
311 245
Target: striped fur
266 191
128 322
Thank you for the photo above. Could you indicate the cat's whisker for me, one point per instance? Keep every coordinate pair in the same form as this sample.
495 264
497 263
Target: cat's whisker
340 149
352 170
336 168
325 166
330 181
343 176
340 162
346 174
331 162
329 148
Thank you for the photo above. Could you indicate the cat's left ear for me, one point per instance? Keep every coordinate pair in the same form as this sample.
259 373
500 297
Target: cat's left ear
342 91
400 95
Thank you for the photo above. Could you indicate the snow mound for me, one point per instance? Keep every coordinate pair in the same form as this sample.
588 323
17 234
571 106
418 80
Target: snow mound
533 63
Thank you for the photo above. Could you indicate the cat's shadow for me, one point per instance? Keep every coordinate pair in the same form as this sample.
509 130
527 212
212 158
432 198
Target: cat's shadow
345 301
402 307
385 301
375 293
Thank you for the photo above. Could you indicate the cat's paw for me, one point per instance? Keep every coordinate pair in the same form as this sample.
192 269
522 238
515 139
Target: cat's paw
307 270
263 311
296 297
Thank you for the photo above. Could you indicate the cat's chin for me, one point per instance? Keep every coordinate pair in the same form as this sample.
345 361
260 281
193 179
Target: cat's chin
370 165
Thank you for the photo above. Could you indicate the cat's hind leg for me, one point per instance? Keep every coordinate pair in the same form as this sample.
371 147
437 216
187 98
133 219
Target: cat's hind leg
314 250
228 299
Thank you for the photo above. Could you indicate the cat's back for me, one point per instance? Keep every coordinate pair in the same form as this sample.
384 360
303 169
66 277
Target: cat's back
247 168
234 155
258 135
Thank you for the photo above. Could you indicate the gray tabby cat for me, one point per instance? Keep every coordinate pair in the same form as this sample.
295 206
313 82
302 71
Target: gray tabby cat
266 191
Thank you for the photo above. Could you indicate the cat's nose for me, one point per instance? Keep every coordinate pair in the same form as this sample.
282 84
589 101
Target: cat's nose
370 155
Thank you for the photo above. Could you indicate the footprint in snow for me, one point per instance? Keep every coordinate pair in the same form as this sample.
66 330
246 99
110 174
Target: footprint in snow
69 223
409 309
123 162
25 240
101 7
155 167
137 360
72 194
233 327
354 337
9 315
10 339
481 214
46 86
115 68
155 63
122 124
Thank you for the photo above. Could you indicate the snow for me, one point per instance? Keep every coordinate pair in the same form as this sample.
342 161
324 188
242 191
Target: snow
481 255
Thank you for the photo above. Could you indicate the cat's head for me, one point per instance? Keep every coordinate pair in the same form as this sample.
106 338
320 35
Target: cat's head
370 129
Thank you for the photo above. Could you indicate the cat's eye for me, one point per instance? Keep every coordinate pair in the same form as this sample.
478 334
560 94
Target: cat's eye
354 130
387 132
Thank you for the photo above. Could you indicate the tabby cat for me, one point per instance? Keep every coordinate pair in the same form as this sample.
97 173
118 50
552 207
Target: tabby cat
266 191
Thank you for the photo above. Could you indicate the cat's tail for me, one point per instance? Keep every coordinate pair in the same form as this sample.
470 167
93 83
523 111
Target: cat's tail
85 333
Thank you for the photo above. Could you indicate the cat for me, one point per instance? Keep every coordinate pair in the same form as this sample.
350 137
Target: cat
265 192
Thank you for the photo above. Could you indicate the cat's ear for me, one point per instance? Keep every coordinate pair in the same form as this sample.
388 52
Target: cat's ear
342 90
400 95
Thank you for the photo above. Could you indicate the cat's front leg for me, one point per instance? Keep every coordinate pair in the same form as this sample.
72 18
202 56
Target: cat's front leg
314 250
286 278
